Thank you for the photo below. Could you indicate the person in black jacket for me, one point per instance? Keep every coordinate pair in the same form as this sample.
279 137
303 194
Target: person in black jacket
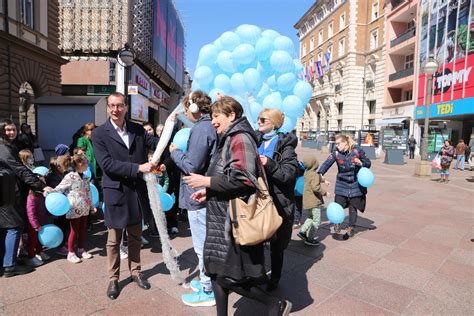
277 155
12 211
232 173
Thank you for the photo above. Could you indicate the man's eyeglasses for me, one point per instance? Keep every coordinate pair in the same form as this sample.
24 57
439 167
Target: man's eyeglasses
116 106
263 120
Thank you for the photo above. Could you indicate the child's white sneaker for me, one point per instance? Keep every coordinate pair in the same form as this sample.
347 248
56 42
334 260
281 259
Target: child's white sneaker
71 257
84 254
123 252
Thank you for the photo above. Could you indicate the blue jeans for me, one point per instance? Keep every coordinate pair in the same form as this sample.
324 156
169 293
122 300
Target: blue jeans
9 241
460 162
197 224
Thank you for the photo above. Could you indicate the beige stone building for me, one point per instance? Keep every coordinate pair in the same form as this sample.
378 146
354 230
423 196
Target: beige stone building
30 59
347 38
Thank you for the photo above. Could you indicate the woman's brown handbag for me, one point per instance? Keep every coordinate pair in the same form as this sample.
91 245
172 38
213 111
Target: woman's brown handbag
256 220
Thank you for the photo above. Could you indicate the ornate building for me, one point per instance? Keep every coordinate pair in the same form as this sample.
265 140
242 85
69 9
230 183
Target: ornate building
342 47
30 59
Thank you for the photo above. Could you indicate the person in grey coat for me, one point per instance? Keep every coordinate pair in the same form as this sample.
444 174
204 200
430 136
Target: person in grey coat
200 147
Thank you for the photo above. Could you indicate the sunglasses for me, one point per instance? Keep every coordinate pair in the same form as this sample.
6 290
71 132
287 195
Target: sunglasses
263 120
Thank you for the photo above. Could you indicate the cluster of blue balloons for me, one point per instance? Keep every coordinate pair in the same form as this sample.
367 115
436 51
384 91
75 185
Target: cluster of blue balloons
258 68
180 139
167 200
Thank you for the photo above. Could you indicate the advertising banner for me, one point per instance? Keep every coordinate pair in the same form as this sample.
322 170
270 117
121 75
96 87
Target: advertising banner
139 108
160 14
141 80
447 35
171 41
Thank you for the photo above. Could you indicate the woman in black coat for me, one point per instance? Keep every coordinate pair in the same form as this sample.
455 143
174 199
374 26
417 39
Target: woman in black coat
277 154
12 210
232 173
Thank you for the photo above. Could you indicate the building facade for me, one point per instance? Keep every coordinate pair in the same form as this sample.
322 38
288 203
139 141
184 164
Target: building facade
342 47
30 58
94 32
446 34
401 66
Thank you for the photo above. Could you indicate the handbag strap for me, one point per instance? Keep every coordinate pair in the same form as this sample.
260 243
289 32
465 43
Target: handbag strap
234 221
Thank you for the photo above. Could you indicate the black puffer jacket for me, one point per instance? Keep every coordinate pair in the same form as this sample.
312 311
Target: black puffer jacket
14 215
235 159
281 173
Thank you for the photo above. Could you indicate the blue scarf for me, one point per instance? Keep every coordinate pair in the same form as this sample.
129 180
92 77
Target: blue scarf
270 135
273 137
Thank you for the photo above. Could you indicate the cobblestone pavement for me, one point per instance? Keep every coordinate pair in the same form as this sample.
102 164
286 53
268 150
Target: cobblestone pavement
412 254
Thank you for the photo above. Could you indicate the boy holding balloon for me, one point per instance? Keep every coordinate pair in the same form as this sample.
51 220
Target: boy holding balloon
312 201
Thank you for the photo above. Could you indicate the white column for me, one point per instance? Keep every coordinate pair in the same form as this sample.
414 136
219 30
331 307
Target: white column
120 77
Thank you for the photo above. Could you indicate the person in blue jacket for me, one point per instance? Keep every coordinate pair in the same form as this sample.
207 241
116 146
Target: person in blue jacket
349 193
200 147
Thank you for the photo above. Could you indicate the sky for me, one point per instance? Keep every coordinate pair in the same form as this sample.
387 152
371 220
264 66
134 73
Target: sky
205 20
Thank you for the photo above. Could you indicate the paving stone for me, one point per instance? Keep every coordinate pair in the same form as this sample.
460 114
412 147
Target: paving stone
420 260
381 236
385 294
330 275
341 304
368 247
441 234
462 256
426 247
459 271
349 259
399 273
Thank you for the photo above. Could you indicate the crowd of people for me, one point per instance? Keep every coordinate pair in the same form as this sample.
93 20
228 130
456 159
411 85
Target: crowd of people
224 158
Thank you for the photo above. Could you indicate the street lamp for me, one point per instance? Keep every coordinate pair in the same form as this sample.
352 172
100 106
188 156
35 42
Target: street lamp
125 59
431 66
126 56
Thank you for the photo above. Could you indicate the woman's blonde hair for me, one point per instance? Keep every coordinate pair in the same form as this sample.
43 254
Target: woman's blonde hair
24 154
350 142
276 116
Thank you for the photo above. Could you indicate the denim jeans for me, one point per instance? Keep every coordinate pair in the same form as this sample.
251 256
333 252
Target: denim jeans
197 224
9 241
460 162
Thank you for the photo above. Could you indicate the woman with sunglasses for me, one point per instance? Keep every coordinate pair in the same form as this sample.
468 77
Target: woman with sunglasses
277 154
349 193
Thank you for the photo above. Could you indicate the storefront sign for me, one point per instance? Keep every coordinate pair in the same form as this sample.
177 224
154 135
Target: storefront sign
158 95
457 107
132 90
141 80
139 108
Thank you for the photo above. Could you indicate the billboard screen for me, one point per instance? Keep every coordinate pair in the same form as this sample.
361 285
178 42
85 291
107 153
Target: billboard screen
168 39
447 30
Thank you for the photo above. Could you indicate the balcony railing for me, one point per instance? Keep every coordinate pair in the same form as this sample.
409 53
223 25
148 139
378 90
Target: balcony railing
369 84
338 88
396 3
402 38
401 74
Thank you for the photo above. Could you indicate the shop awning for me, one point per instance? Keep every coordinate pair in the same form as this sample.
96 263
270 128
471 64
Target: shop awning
391 121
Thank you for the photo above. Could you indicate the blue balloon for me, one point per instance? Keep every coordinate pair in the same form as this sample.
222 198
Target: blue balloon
181 139
252 80
271 82
42 171
166 201
160 188
88 173
263 48
208 55
229 40
204 75
214 92
287 126
365 177
248 33
292 104
270 34
281 61
238 84
299 186
335 213
286 82
264 91
298 66
273 101
255 109
57 204
94 194
223 82
243 54
303 90
225 61
284 43
50 236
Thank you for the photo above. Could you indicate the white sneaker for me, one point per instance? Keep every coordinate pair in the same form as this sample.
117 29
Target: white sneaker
34 262
123 252
84 254
71 257
144 241
44 256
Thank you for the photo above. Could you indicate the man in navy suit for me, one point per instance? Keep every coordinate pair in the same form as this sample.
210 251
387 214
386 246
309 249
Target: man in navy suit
121 147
